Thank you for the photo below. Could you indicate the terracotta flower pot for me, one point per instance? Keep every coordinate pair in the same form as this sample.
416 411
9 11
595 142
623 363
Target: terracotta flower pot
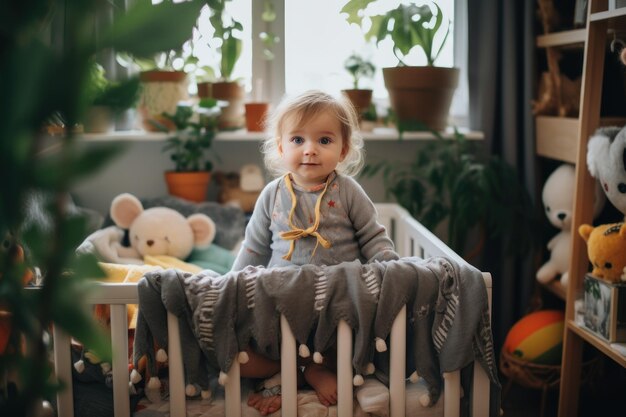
205 89
191 186
232 115
360 99
161 93
255 116
421 94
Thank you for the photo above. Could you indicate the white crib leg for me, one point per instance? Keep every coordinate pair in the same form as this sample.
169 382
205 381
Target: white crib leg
288 370
397 372
344 370
119 340
63 370
232 391
176 370
452 397
480 385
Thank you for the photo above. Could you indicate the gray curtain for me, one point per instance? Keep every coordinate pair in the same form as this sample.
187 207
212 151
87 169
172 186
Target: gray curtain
501 84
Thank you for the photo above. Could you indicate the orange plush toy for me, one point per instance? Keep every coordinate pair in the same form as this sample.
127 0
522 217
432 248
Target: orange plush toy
606 248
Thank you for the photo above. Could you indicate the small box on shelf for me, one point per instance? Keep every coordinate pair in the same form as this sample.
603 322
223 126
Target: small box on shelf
605 308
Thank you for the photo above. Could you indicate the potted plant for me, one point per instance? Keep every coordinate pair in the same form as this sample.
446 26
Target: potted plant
359 68
418 94
108 99
29 100
194 134
226 29
449 184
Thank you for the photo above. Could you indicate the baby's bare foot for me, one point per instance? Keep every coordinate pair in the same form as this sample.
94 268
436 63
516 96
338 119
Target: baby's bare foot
265 405
323 381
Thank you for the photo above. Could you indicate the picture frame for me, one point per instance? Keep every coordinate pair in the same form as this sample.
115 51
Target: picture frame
605 308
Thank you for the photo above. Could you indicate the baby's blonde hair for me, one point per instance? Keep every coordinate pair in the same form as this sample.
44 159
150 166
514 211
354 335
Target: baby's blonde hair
304 107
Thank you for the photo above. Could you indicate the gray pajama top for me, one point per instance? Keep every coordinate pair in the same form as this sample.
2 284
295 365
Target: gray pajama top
348 220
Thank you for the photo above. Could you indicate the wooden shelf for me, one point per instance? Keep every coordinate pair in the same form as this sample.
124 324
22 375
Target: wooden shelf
565 38
608 14
557 137
597 342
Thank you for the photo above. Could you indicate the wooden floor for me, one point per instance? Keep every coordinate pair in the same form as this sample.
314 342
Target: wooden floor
605 396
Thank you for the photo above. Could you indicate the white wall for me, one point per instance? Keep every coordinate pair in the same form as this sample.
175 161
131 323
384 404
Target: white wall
139 170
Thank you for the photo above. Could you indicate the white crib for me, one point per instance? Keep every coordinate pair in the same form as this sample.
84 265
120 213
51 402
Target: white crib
411 239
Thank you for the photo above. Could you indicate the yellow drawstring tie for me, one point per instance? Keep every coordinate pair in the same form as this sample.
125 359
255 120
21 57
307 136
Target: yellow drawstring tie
296 233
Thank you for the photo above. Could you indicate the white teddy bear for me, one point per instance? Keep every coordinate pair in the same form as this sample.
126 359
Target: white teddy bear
558 201
158 231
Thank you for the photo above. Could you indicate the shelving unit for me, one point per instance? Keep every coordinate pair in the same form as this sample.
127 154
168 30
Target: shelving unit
601 14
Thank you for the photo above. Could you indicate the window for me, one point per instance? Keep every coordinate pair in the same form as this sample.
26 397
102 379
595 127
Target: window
315 40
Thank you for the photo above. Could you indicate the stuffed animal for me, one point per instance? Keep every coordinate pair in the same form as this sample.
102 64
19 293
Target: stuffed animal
158 230
240 189
606 161
558 201
606 248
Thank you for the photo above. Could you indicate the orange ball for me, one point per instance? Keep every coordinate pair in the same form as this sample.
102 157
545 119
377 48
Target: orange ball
537 337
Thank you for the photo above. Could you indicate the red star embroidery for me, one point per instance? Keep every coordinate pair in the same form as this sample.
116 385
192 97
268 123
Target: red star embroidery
331 203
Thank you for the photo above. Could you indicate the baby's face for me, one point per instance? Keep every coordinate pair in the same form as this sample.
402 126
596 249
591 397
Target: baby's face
312 151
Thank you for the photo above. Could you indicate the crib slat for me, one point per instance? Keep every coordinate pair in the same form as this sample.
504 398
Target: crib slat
452 397
232 391
397 352
288 370
119 340
176 371
344 370
63 370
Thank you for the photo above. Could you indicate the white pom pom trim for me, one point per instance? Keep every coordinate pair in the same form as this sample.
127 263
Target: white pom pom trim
414 377
425 400
381 346
303 351
135 376
243 357
358 380
154 383
370 369
131 388
79 365
191 390
205 394
223 378
318 358
161 355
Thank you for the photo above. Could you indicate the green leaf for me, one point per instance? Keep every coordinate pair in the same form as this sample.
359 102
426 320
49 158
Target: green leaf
352 8
147 29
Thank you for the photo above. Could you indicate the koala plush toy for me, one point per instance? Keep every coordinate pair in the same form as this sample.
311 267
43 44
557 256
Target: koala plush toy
606 161
158 230
558 201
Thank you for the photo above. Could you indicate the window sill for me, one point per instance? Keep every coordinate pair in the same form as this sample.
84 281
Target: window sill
377 134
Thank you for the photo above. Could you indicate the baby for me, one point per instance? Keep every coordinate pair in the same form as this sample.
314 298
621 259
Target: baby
314 212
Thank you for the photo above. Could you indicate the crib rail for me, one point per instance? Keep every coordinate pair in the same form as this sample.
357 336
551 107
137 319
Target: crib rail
412 239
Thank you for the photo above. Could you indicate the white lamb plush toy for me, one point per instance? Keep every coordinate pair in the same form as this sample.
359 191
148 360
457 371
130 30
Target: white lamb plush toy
558 202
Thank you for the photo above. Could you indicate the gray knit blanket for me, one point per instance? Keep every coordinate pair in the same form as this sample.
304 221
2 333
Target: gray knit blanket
220 315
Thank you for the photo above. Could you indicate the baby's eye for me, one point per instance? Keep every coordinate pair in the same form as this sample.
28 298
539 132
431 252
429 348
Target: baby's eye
136 237
298 140
325 140
608 265
548 209
167 239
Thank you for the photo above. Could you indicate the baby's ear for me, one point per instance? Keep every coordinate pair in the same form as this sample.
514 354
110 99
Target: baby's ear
125 208
203 229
